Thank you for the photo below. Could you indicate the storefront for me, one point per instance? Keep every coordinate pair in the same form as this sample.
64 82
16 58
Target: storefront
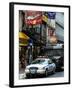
23 49
36 30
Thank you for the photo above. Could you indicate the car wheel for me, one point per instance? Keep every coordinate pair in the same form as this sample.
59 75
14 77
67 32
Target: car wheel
46 72
27 76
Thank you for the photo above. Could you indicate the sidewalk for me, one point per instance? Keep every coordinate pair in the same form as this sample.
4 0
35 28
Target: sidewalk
22 74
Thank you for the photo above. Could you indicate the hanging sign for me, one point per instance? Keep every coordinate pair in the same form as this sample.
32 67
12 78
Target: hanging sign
34 21
33 17
51 15
50 32
45 18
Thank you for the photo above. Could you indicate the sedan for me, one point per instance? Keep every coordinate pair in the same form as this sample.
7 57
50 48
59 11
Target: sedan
40 66
59 61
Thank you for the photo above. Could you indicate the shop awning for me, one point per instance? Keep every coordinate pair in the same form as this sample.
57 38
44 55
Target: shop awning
23 39
23 36
21 44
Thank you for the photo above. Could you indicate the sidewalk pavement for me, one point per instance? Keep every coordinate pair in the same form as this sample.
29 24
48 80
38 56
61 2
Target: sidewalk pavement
22 74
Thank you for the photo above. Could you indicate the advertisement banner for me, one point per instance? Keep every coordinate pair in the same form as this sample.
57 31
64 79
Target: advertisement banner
52 23
33 17
34 21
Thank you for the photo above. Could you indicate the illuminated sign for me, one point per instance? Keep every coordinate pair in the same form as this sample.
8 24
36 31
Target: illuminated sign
45 18
37 20
33 17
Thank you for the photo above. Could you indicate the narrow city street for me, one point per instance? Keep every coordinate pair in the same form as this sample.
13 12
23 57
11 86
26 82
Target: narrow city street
57 74
41 44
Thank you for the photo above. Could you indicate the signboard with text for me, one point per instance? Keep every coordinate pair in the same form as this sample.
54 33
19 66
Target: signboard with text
51 15
33 17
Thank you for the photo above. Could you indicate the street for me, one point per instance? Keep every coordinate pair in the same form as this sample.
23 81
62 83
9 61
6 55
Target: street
41 44
57 74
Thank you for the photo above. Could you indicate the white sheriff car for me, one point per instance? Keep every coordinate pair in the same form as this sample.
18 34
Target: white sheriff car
40 66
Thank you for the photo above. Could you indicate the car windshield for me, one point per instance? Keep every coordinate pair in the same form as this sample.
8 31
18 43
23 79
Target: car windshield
39 62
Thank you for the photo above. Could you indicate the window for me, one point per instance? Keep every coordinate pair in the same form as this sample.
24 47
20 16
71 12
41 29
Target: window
49 62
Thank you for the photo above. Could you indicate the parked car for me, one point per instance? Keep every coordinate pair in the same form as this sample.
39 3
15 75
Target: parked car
40 66
59 61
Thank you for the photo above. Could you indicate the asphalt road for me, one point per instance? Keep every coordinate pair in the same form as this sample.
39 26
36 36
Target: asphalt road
59 73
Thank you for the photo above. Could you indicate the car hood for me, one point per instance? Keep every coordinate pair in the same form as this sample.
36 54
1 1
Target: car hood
36 65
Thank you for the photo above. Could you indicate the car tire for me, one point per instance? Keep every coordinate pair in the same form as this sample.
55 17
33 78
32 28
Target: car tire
27 76
46 73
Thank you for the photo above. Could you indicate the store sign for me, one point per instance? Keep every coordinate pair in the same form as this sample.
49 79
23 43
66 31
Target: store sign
51 15
33 13
33 17
52 23
51 32
34 21
45 19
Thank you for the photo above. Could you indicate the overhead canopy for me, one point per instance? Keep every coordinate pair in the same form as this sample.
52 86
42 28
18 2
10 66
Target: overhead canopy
23 39
23 36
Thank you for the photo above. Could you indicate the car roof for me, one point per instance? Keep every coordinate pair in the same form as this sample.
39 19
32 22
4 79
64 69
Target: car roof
42 59
56 57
